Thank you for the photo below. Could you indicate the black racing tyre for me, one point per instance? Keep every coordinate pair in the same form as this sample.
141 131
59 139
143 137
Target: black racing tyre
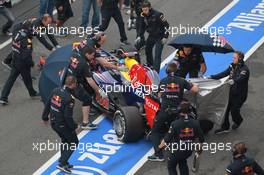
206 126
128 124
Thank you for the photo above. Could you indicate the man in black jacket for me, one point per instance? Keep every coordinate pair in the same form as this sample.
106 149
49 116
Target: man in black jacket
190 61
238 76
157 26
21 64
183 131
241 164
109 9
171 91
59 110
37 27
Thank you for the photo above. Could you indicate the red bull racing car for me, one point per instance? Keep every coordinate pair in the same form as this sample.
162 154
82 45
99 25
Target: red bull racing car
130 95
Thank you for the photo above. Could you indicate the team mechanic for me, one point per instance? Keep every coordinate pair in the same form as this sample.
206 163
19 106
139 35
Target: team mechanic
156 25
80 68
21 63
184 130
96 41
190 61
38 27
242 165
59 110
171 93
238 73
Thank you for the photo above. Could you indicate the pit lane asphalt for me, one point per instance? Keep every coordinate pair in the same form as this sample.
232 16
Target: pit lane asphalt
20 124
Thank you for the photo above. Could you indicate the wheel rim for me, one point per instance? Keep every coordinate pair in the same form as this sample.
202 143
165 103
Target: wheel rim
119 124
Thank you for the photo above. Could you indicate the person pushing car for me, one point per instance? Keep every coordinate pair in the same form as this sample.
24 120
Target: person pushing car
96 40
86 86
183 131
38 28
171 91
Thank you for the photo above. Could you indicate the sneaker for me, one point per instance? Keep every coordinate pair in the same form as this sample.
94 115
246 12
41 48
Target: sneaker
123 43
7 33
221 130
90 126
64 168
35 95
8 65
155 158
235 126
69 165
4 102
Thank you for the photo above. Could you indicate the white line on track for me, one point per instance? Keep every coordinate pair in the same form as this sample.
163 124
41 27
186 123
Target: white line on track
6 43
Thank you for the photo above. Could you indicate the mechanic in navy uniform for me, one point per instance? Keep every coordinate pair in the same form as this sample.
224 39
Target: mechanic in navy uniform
242 165
80 68
171 91
21 64
156 25
190 61
238 77
184 130
98 63
96 40
109 9
35 25
59 111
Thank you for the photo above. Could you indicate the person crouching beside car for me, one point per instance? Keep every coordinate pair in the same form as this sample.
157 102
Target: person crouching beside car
238 76
190 61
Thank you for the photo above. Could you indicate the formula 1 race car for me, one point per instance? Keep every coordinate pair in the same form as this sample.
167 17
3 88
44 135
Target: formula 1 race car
131 100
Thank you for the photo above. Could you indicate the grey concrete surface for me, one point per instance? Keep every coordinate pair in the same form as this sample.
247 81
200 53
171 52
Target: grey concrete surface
20 123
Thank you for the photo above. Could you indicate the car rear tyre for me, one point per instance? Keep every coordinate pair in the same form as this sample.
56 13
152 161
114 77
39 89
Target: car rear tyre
128 124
